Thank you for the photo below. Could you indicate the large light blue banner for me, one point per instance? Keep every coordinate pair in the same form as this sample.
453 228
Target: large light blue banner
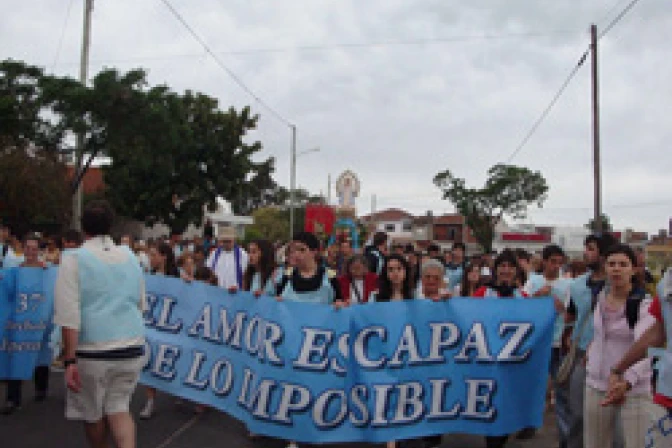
375 372
26 309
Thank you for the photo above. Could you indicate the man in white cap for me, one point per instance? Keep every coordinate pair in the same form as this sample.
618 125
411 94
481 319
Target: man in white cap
228 261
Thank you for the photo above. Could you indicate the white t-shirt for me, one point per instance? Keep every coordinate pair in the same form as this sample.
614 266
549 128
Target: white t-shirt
226 267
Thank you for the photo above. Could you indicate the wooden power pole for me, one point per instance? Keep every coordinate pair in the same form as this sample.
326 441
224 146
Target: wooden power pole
599 225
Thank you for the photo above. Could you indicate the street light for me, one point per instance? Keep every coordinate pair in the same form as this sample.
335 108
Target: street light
292 179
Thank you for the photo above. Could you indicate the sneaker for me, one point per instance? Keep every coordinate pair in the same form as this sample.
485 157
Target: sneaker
148 411
10 408
292 445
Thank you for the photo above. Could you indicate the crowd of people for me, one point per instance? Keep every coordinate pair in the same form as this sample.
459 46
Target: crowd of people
605 389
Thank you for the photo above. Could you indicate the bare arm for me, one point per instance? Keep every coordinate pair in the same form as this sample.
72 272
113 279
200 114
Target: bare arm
70 339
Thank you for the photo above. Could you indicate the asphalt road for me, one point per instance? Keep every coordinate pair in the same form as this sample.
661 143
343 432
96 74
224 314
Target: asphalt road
175 425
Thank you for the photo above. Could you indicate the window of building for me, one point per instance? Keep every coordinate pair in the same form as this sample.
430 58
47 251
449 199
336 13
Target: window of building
390 227
451 234
408 226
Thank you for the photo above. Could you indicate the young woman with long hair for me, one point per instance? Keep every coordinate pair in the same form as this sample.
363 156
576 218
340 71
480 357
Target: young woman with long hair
620 318
395 281
162 262
259 277
471 281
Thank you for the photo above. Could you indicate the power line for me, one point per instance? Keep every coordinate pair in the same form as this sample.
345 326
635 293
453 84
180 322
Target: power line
341 45
618 18
60 40
233 76
548 108
564 85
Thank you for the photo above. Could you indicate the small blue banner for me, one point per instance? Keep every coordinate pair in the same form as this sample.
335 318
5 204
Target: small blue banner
26 311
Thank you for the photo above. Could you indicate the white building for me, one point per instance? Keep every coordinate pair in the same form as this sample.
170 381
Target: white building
397 223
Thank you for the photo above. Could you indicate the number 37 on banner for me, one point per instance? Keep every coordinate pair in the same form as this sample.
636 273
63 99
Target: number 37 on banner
29 302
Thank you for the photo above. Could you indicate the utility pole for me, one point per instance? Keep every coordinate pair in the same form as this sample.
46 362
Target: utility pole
292 183
599 225
79 149
329 189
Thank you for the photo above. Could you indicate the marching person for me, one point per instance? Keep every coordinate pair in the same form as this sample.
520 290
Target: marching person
395 284
41 373
432 282
659 434
470 283
228 261
620 318
357 283
308 281
503 285
162 262
583 297
260 275
550 283
99 298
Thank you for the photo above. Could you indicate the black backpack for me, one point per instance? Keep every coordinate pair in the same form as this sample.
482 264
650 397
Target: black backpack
632 306
5 249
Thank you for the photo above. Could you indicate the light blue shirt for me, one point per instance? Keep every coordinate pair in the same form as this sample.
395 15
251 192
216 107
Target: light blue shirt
582 297
109 299
559 290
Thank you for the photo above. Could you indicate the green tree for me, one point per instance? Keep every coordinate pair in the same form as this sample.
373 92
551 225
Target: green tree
270 223
181 153
35 194
33 178
509 190
606 224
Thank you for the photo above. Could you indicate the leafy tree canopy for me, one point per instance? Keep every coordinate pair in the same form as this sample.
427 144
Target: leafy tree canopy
509 190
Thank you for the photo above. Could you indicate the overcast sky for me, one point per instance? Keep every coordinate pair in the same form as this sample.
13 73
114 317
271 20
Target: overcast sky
449 85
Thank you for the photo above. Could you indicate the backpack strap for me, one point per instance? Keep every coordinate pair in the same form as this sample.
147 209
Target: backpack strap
632 306
239 269
281 285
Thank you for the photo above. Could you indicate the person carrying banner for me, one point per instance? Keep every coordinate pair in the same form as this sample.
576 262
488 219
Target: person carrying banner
41 373
308 281
99 298
505 275
261 274
658 335
549 283
432 283
228 261
470 282
357 283
395 283
162 262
